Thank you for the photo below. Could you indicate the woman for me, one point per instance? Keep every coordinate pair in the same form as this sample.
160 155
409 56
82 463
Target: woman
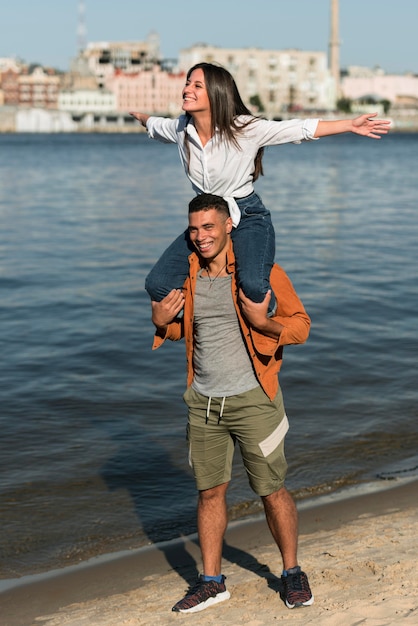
220 144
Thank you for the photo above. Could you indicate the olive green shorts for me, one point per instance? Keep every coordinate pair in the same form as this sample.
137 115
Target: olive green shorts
250 419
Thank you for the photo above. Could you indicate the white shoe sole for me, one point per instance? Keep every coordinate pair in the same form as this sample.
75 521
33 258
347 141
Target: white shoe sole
225 595
296 606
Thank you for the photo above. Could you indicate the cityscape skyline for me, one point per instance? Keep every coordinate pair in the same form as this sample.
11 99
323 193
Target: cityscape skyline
47 33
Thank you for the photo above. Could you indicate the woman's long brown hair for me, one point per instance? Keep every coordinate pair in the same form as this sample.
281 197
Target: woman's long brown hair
225 105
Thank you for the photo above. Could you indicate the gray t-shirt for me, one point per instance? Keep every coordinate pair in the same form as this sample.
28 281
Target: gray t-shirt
221 362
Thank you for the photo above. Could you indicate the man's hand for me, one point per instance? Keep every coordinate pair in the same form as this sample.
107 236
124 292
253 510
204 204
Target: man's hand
165 311
256 314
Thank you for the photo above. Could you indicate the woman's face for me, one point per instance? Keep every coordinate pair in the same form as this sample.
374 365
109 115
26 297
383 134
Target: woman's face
195 95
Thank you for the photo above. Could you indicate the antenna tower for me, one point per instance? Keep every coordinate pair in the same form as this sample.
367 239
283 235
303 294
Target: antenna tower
81 27
334 45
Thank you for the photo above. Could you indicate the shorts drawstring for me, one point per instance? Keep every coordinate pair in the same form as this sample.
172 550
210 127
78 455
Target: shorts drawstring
208 409
221 411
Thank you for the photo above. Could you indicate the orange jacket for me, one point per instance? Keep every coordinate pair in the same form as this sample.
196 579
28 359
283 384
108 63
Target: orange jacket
266 353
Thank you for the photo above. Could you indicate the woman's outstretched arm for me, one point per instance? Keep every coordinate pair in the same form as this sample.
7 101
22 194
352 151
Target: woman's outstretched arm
365 125
141 117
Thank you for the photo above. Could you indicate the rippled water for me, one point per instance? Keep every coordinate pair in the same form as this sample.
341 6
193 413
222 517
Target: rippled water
92 446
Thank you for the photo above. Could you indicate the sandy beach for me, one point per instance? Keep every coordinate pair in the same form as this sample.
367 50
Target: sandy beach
360 554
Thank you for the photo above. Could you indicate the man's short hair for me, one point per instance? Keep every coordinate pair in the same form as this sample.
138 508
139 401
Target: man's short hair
206 201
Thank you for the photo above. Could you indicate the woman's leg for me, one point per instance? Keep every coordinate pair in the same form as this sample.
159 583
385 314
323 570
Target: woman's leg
171 270
254 248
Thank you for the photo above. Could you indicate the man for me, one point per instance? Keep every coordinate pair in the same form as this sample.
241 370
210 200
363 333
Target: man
234 353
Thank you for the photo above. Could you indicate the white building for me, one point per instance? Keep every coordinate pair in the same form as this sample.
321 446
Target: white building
43 121
282 80
87 101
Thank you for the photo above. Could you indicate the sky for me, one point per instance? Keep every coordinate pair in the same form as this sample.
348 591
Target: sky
372 32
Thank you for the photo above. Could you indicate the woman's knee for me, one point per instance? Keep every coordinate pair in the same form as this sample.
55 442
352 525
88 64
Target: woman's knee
155 287
255 289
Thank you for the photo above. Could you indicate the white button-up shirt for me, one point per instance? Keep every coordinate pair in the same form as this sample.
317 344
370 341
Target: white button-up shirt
220 167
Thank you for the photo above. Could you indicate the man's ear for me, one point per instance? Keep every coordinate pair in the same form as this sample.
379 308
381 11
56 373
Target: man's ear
229 225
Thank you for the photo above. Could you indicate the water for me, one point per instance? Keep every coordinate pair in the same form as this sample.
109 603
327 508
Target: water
92 445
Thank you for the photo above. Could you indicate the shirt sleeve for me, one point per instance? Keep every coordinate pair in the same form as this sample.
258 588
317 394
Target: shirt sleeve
162 129
271 133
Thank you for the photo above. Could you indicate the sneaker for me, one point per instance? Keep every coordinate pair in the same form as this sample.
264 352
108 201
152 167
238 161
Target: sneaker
296 588
202 595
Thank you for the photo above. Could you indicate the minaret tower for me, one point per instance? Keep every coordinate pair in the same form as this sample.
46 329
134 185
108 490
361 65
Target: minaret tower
81 27
334 46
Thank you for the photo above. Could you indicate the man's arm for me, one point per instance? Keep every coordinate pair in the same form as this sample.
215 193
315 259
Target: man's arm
165 312
289 325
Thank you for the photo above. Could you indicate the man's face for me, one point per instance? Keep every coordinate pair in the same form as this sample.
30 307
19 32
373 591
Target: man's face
209 232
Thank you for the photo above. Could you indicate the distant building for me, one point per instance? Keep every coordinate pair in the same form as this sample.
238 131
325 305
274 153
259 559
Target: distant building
30 87
39 88
7 63
87 101
7 119
273 81
401 90
153 91
10 70
79 76
9 85
43 121
104 58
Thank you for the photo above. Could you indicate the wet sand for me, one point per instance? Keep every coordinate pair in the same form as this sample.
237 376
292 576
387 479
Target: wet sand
360 553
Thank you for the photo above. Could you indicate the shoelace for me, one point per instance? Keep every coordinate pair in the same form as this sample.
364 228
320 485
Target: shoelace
295 582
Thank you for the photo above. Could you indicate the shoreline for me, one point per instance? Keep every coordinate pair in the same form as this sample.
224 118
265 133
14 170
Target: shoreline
99 585
234 526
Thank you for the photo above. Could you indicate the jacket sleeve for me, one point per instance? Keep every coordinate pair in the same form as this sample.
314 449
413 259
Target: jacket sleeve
179 327
174 332
290 314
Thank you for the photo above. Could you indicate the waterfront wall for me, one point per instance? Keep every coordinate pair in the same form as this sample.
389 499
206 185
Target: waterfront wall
19 120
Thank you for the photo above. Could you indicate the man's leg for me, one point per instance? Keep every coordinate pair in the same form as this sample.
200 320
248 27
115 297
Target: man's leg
211 451
282 519
260 427
212 520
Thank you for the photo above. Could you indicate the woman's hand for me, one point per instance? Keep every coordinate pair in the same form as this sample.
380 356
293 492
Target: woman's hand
369 127
141 117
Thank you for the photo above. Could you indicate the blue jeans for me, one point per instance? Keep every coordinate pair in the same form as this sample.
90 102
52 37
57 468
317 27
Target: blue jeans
254 249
